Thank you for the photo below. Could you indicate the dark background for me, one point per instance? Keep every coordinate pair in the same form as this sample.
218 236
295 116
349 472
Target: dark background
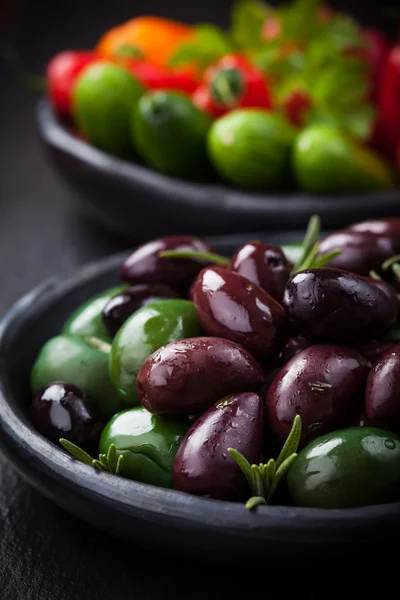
44 552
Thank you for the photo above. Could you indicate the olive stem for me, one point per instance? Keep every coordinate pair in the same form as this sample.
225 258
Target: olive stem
98 344
210 257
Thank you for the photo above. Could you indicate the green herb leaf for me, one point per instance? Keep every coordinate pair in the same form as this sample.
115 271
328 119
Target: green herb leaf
255 501
209 43
108 463
291 444
129 51
244 465
247 20
310 239
210 257
280 474
299 19
325 259
76 452
390 261
264 479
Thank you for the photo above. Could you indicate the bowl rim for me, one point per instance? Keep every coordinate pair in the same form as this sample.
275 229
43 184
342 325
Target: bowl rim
210 195
272 522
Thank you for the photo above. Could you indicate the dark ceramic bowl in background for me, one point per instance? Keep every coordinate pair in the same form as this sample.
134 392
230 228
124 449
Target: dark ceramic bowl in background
139 203
164 520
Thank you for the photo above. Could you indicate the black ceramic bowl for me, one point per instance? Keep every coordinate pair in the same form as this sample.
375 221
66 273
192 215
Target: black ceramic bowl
140 203
162 519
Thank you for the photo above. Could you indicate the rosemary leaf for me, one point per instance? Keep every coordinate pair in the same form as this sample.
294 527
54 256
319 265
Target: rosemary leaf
280 474
310 239
255 501
99 465
292 442
258 489
396 269
390 261
244 465
325 259
269 473
119 464
76 452
112 458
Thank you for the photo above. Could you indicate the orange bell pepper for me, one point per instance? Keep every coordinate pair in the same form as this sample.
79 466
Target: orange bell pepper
153 38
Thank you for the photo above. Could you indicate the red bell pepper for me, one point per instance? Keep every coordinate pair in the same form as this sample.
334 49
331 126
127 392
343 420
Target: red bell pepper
387 135
375 52
296 105
160 78
61 74
230 83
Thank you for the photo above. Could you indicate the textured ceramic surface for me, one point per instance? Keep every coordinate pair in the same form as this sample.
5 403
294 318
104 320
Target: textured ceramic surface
140 513
140 203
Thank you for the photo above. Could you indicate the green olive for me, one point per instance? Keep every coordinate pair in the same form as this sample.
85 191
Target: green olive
353 467
151 327
87 319
80 362
147 442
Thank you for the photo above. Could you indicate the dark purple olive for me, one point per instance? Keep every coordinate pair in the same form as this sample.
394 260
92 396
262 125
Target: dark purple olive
358 418
372 351
320 384
387 227
124 304
61 410
361 251
293 346
189 376
145 265
382 397
232 307
331 305
263 264
203 465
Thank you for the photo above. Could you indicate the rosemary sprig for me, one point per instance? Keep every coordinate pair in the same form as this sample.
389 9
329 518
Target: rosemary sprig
264 479
308 258
110 462
394 264
211 257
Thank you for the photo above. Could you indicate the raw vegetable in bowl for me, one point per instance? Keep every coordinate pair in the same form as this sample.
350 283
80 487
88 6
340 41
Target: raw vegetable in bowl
298 96
271 376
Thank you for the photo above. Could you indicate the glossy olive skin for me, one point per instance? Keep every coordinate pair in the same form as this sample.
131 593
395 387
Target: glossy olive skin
361 251
151 327
74 360
121 306
189 376
232 307
203 465
382 396
331 305
320 384
87 319
263 264
349 468
61 410
387 227
387 289
145 265
147 442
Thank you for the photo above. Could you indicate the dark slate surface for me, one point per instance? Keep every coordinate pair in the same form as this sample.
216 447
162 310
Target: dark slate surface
46 554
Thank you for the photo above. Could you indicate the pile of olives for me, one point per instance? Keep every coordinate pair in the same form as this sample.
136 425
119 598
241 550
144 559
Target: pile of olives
195 356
